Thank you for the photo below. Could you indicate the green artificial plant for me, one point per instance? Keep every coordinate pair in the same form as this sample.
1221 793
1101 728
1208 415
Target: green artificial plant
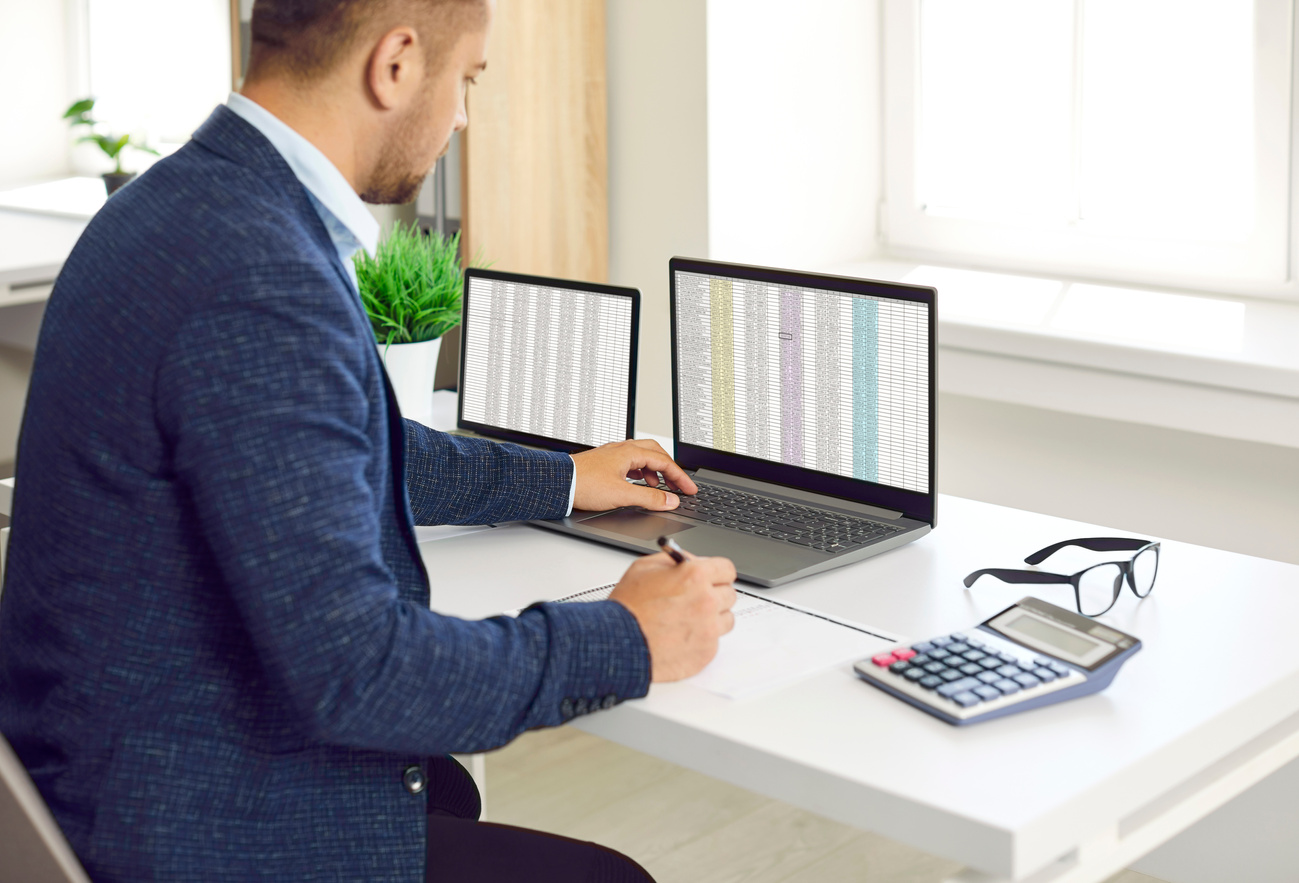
112 145
412 286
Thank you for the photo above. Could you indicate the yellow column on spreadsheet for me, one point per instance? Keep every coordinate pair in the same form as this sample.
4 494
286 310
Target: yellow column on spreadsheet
723 328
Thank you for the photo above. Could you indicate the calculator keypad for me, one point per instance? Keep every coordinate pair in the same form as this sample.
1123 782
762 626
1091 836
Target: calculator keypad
960 672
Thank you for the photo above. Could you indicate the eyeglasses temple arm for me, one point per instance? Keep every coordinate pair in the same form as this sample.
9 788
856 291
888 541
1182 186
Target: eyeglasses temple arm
1017 576
1095 544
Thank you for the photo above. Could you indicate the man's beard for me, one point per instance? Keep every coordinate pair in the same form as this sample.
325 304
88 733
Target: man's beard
395 180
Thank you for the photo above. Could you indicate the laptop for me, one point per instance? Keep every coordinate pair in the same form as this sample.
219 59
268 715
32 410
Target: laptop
547 363
803 407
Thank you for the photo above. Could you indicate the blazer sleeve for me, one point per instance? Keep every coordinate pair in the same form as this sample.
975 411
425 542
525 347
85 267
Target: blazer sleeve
453 480
262 399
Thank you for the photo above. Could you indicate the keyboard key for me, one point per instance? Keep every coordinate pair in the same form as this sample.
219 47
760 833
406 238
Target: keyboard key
1007 687
1027 681
989 677
987 693
914 673
930 681
971 668
966 699
884 660
904 653
952 688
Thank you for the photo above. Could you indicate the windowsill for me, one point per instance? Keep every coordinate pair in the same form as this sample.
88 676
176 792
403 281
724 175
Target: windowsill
1202 363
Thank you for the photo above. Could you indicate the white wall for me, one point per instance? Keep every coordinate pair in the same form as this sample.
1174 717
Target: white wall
658 170
793 131
34 91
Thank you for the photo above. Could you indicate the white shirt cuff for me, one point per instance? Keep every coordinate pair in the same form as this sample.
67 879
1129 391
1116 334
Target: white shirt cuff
572 488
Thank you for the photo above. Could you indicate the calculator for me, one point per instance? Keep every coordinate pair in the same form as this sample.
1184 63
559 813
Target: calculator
1029 655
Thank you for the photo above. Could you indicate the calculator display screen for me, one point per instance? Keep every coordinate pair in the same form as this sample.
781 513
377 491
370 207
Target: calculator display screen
1068 642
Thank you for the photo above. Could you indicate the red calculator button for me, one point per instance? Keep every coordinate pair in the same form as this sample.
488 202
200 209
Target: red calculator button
904 653
884 660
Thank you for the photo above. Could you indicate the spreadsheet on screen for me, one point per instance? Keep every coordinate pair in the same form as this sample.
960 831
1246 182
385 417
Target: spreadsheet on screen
548 361
827 380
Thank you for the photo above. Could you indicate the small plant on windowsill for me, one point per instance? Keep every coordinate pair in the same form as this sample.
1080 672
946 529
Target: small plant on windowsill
412 289
113 146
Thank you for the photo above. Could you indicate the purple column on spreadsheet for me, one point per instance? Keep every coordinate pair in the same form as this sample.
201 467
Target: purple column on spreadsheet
791 377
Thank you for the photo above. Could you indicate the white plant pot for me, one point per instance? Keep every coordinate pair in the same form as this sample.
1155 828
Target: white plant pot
410 370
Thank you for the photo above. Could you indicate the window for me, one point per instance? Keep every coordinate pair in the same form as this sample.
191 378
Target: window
1139 140
156 67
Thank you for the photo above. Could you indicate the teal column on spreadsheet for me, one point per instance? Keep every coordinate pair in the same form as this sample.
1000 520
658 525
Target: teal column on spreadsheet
865 389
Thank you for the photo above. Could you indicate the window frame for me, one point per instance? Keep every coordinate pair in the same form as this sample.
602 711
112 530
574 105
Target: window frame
1262 266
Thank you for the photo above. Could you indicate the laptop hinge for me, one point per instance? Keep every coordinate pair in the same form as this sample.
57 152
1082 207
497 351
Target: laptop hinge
788 493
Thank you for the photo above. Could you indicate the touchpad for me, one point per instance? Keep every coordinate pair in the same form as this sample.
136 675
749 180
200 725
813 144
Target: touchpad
636 524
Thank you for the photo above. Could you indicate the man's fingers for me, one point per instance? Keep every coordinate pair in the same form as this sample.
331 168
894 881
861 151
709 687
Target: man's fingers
654 499
728 622
658 460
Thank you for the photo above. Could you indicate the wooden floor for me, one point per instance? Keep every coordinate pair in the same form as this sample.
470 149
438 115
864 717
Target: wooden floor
685 827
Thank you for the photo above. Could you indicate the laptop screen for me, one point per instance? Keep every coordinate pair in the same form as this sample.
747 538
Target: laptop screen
813 372
547 361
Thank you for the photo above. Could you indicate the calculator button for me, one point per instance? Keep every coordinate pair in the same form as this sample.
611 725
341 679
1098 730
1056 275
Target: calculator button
915 674
971 668
990 662
922 647
958 648
966 699
935 668
986 693
904 653
1006 658
930 681
900 667
884 660
939 653
957 636
974 655
1060 670
977 645
1045 674
1041 661
1027 681
1007 687
989 677
940 642
1009 671
961 686
950 674
921 659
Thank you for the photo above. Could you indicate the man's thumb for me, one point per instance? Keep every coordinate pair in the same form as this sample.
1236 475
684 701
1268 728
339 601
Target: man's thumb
656 499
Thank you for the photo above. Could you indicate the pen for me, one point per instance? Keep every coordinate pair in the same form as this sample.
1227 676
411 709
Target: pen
669 545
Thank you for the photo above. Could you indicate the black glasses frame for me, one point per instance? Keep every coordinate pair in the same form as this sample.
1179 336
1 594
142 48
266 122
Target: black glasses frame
1095 544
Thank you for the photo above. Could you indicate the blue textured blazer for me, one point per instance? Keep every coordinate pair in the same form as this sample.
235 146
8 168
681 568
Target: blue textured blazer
216 655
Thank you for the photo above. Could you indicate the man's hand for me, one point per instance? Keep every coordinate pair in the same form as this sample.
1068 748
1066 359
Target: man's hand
682 609
602 474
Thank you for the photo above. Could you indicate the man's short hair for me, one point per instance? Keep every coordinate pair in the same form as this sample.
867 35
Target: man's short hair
307 38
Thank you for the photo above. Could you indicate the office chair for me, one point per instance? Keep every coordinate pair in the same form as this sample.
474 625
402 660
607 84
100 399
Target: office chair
32 848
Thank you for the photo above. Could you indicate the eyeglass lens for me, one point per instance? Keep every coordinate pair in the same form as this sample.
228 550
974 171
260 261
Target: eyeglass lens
1144 567
1098 587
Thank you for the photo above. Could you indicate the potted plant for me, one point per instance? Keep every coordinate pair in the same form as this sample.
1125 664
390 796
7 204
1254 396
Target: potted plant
112 145
411 289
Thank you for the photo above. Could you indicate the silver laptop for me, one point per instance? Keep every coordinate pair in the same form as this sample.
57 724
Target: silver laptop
804 409
548 363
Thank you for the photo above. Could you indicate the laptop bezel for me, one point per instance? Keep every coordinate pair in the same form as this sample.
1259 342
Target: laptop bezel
912 504
525 438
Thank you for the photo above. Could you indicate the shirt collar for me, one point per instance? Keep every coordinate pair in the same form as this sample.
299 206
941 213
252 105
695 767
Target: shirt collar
349 222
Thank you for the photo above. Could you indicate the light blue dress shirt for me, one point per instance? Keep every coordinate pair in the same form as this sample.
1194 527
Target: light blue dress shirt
349 223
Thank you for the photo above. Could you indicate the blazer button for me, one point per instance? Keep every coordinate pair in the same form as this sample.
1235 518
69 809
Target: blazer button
413 778
609 702
566 709
581 706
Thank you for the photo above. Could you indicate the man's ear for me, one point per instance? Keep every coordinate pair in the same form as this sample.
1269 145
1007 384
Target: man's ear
395 68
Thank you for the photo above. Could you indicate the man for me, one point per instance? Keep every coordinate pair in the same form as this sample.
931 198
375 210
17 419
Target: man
216 655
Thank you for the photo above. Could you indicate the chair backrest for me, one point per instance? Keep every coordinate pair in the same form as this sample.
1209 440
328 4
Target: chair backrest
32 848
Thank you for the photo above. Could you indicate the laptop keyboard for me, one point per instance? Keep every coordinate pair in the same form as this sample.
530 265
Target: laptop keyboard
763 516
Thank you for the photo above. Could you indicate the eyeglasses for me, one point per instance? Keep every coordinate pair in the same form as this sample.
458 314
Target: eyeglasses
1096 588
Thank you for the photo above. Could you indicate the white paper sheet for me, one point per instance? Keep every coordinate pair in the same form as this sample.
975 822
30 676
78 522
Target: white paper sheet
775 643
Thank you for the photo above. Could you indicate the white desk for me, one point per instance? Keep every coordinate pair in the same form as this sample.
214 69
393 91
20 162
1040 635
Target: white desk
1074 792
